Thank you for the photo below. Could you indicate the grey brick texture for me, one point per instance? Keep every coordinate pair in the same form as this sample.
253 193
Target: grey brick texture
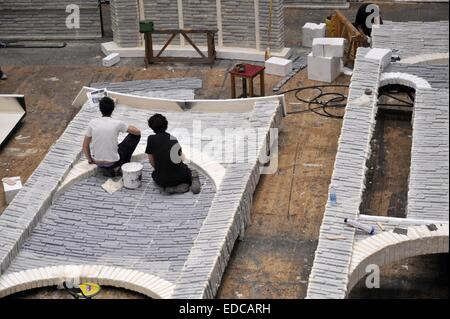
40 19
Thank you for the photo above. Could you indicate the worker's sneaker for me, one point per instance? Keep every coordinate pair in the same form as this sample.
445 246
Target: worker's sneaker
3 76
179 189
107 172
118 171
196 186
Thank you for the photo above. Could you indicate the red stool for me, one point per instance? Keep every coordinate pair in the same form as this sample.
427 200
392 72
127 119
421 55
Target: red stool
250 71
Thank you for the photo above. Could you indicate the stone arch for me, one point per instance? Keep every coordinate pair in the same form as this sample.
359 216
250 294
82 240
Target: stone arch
405 79
388 247
146 284
200 161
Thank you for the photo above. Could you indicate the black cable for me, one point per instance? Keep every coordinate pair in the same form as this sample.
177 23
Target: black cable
320 103
336 102
18 45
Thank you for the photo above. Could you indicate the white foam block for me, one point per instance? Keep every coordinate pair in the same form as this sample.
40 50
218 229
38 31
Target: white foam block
310 31
324 69
383 55
278 66
328 47
11 186
111 59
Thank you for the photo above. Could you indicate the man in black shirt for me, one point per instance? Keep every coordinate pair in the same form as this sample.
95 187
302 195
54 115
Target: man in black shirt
165 155
367 15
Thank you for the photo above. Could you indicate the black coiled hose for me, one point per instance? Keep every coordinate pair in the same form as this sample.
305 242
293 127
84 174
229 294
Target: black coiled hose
322 102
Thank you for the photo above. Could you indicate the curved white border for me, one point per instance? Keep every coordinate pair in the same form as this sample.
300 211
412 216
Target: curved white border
406 79
148 285
200 161
388 247
169 105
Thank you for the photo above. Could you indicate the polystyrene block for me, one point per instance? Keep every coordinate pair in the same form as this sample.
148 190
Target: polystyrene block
324 69
328 47
111 59
311 31
278 66
11 186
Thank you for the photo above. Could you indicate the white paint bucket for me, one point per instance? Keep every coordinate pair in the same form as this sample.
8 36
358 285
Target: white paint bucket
132 175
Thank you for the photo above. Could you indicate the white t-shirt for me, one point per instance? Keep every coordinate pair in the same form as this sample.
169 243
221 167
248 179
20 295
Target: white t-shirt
105 133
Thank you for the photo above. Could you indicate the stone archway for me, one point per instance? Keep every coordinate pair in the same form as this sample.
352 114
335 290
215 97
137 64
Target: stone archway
388 247
146 284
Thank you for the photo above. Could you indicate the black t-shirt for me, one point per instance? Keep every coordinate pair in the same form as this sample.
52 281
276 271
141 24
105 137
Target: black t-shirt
169 168
361 17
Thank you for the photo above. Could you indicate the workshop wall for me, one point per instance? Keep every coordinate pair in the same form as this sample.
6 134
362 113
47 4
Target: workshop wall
46 19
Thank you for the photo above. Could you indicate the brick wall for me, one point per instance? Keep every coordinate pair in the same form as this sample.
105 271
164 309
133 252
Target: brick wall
39 19
238 27
318 3
238 21
166 18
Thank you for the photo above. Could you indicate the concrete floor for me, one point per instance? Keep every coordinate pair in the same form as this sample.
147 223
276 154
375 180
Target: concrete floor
275 257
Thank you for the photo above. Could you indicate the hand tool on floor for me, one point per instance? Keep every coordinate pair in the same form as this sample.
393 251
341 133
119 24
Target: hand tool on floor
86 290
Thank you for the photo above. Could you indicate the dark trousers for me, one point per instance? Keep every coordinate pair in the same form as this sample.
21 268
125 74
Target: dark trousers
126 149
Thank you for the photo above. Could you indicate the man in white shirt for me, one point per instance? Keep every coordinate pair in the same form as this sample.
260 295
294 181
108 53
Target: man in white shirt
103 134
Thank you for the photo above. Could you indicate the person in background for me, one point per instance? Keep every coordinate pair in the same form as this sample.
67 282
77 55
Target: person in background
2 75
165 156
367 15
103 134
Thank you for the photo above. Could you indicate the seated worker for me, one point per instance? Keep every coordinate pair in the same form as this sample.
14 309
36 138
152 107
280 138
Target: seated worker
367 15
103 133
165 156
2 75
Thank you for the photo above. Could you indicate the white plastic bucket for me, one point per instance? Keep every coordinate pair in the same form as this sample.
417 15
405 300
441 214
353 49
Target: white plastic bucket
132 175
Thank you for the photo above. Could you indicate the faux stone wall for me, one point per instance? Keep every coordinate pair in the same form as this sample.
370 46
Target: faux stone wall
277 31
200 14
163 19
39 19
238 28
428 180
238 21
125 23
318 3
412 38
330 271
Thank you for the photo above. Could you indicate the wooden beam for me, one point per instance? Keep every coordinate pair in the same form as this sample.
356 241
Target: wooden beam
193 44
167 44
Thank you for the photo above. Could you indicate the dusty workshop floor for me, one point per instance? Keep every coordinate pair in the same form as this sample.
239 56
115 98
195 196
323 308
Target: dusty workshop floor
276 255
388 167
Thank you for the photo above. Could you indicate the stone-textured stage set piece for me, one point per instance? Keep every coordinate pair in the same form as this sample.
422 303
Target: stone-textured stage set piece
63 224
342 253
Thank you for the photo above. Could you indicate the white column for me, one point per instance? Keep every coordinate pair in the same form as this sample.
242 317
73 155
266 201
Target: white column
219 21
257 29
141 15
181 21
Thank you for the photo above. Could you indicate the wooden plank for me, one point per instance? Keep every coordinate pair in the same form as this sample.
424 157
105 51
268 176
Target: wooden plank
193 44
169 31
180 59
167 44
